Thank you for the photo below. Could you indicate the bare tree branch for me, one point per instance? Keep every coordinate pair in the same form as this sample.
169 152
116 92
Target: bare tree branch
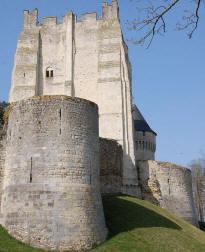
154 21
191 20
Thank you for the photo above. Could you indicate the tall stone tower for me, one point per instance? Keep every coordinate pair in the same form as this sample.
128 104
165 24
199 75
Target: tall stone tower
86 59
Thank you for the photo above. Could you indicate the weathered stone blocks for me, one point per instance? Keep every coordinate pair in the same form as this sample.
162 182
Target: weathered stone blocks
51 190
2 159
111 166
169 186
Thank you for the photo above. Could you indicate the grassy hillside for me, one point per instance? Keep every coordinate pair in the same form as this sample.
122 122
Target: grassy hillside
135 225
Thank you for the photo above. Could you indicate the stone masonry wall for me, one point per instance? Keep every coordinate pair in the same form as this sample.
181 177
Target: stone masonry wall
111 175
51 191
2 158
169 186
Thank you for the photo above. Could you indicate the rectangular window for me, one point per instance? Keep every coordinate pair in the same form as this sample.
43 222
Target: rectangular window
47 73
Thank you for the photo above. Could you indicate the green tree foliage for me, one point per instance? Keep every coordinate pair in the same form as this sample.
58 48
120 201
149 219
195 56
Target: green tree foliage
3 106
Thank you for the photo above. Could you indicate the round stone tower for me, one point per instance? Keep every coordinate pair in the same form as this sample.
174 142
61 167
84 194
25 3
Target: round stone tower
145 137
51 192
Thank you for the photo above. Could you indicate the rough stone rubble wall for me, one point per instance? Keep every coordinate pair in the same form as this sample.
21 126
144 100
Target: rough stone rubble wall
2 159
51 187
111 173
169 186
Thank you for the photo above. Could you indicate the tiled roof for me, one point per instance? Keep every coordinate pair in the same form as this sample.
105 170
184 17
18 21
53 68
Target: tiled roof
139 121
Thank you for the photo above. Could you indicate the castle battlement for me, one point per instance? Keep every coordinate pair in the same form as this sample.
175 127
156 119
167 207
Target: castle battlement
50 21
89 16
30 20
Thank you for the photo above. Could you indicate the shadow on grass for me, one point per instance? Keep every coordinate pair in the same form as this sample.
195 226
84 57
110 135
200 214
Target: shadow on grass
123 215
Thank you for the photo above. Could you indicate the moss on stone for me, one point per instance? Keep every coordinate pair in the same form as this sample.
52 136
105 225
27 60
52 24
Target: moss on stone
6 114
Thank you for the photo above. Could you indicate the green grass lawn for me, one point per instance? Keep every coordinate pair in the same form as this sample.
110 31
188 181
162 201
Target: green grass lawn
134 225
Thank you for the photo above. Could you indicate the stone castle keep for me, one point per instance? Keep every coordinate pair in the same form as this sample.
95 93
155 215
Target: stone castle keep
74 134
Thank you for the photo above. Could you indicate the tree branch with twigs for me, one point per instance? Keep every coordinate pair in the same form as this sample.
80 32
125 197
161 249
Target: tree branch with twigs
153 21
191 20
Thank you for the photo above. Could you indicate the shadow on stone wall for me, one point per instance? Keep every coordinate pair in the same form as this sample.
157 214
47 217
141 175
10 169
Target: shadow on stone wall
122 215
111 171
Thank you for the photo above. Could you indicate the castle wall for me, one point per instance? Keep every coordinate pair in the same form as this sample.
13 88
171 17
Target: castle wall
145 145
111 164
51 188
2 159
25 71
169 186
86 59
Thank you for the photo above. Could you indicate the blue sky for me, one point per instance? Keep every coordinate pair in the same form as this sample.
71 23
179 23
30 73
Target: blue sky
168 78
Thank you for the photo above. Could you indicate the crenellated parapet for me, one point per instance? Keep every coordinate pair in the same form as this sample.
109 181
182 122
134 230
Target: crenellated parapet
30 20
49 21
110 11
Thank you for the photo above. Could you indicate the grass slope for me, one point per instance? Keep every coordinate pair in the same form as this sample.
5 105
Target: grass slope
134 225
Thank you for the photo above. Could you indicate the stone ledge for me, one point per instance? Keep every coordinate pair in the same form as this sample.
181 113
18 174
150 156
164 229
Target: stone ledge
56 97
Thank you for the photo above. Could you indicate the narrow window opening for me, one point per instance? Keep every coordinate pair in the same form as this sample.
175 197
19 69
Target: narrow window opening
24 74
31 170
143 133
49 72
60 114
